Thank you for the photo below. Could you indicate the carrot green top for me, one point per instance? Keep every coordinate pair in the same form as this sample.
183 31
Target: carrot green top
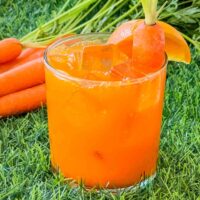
150 11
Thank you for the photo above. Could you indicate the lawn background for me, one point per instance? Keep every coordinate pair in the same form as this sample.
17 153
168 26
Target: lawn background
24 147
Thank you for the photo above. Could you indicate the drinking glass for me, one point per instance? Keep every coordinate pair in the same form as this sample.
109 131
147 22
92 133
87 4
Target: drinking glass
103 133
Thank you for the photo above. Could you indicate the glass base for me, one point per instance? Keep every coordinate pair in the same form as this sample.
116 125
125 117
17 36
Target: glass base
142 184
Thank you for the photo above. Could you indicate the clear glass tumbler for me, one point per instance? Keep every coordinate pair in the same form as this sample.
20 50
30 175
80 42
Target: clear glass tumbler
103 133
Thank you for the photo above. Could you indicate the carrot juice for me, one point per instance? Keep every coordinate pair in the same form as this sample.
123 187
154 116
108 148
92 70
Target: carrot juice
104 118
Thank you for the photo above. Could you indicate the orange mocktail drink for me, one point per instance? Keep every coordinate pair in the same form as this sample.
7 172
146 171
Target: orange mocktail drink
104 118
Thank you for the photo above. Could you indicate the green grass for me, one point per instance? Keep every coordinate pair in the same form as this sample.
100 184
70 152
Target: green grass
24 147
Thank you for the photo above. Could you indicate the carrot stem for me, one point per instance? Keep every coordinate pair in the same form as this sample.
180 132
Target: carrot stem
97 16
193 42
59 19
121 17
150 11
78 20
63 8
107 5
110 14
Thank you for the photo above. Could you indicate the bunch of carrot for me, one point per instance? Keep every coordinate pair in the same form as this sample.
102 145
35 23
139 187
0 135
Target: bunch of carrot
22 79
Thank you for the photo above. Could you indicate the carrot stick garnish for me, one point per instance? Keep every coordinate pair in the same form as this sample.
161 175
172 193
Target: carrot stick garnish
148 52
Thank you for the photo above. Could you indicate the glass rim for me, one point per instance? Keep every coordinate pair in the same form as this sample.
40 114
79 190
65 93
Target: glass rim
65 76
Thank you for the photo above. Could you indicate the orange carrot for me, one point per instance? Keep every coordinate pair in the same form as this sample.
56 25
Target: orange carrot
148 41
23 101
26 55
10 48
21 77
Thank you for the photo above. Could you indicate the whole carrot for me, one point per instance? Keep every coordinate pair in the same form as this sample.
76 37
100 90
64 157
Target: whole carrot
23 101
21 77
27 54
148 52
10 48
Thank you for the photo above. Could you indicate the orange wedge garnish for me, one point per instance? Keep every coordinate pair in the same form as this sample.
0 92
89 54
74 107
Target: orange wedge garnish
175 45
